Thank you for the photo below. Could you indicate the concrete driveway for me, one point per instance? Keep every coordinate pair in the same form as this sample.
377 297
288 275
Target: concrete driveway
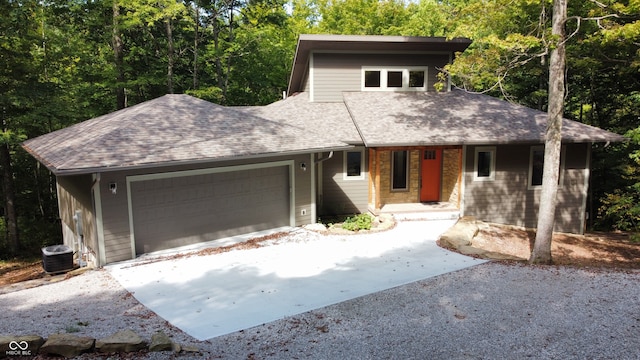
212 295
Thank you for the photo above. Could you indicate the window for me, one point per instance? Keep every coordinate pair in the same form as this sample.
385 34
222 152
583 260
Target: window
430 155
484 164
416 79
536 167
353 165
399 170
372 79
394 78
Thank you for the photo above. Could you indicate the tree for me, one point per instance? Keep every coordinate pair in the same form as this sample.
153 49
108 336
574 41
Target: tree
541 253
18 32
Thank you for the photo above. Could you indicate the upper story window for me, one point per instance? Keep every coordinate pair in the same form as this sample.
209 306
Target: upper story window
394 79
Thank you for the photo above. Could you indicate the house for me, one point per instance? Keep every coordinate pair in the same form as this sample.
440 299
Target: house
361 129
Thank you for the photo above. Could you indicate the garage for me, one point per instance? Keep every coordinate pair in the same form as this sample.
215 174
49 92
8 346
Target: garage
173 209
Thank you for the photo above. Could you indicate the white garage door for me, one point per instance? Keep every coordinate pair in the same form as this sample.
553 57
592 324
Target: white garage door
181 210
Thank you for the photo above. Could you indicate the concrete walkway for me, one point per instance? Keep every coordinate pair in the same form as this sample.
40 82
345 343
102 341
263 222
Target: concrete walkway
213 295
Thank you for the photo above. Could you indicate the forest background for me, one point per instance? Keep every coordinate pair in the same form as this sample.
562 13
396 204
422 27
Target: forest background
65 61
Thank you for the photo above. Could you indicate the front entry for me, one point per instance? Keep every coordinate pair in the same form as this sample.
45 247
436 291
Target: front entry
431 174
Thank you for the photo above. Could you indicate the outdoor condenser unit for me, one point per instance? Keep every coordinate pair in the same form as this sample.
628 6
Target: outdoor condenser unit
57 258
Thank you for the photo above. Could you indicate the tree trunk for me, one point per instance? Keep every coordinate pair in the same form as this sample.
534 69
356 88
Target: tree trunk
195 45
541 253
116 41
11 214
170 55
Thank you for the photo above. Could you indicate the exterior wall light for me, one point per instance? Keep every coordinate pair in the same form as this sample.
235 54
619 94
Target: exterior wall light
113 187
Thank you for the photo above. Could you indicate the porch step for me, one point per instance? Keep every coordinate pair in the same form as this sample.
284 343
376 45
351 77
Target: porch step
427 215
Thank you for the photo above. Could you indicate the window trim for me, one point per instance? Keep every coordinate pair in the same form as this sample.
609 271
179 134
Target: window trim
406 71
492 163
408 165
563 151
345 175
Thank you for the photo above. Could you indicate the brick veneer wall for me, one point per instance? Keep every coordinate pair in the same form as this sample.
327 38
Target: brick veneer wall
387 196
450 175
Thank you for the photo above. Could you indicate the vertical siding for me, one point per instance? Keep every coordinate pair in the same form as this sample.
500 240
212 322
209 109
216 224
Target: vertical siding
303 199
340 196
117 236
507 199
335 73
115 218
74 193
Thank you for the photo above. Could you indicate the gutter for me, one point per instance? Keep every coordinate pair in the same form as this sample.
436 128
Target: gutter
91 170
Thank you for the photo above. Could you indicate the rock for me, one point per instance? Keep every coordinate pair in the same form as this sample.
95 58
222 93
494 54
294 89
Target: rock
122 341
472 251
160 342
175 347
25 345
315 227
460 234
189 348
67 345
500 256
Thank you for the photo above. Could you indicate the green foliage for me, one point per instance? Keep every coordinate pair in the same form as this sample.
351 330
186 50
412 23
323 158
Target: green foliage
211 93
358 222
57 68
620 209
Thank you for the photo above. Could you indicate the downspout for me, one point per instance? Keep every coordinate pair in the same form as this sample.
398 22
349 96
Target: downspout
325 159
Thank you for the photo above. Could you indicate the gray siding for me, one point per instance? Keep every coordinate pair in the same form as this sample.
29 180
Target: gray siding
340 196
74 193
117 236
508 199
335 73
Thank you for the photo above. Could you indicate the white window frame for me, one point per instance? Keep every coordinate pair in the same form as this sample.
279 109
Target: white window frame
407 174
383 78
563 151
492 163
345 175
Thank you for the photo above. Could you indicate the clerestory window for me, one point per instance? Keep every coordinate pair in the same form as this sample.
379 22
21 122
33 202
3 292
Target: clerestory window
394 79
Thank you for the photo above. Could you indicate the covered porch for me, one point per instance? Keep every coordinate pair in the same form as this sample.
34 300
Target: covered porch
416 180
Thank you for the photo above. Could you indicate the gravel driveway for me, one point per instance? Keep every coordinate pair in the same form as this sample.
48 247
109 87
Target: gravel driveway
488 311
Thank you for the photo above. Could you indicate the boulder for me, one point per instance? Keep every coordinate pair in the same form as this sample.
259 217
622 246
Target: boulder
460 234
67 345
24 345
122 341
160 342
472 251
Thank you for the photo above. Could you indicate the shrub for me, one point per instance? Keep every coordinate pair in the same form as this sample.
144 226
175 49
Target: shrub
357 222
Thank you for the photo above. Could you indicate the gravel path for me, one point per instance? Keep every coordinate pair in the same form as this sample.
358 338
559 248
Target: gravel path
488 311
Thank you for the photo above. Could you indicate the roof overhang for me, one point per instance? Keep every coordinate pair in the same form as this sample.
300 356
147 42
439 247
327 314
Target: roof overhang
214 162
307 44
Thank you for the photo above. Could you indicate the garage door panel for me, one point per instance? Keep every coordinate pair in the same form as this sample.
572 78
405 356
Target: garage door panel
185 210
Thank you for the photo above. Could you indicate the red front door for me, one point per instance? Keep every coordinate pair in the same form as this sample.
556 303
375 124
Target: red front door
431 175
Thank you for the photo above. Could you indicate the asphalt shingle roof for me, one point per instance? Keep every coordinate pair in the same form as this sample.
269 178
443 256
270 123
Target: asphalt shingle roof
169 129
183 129
453 118
329 119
